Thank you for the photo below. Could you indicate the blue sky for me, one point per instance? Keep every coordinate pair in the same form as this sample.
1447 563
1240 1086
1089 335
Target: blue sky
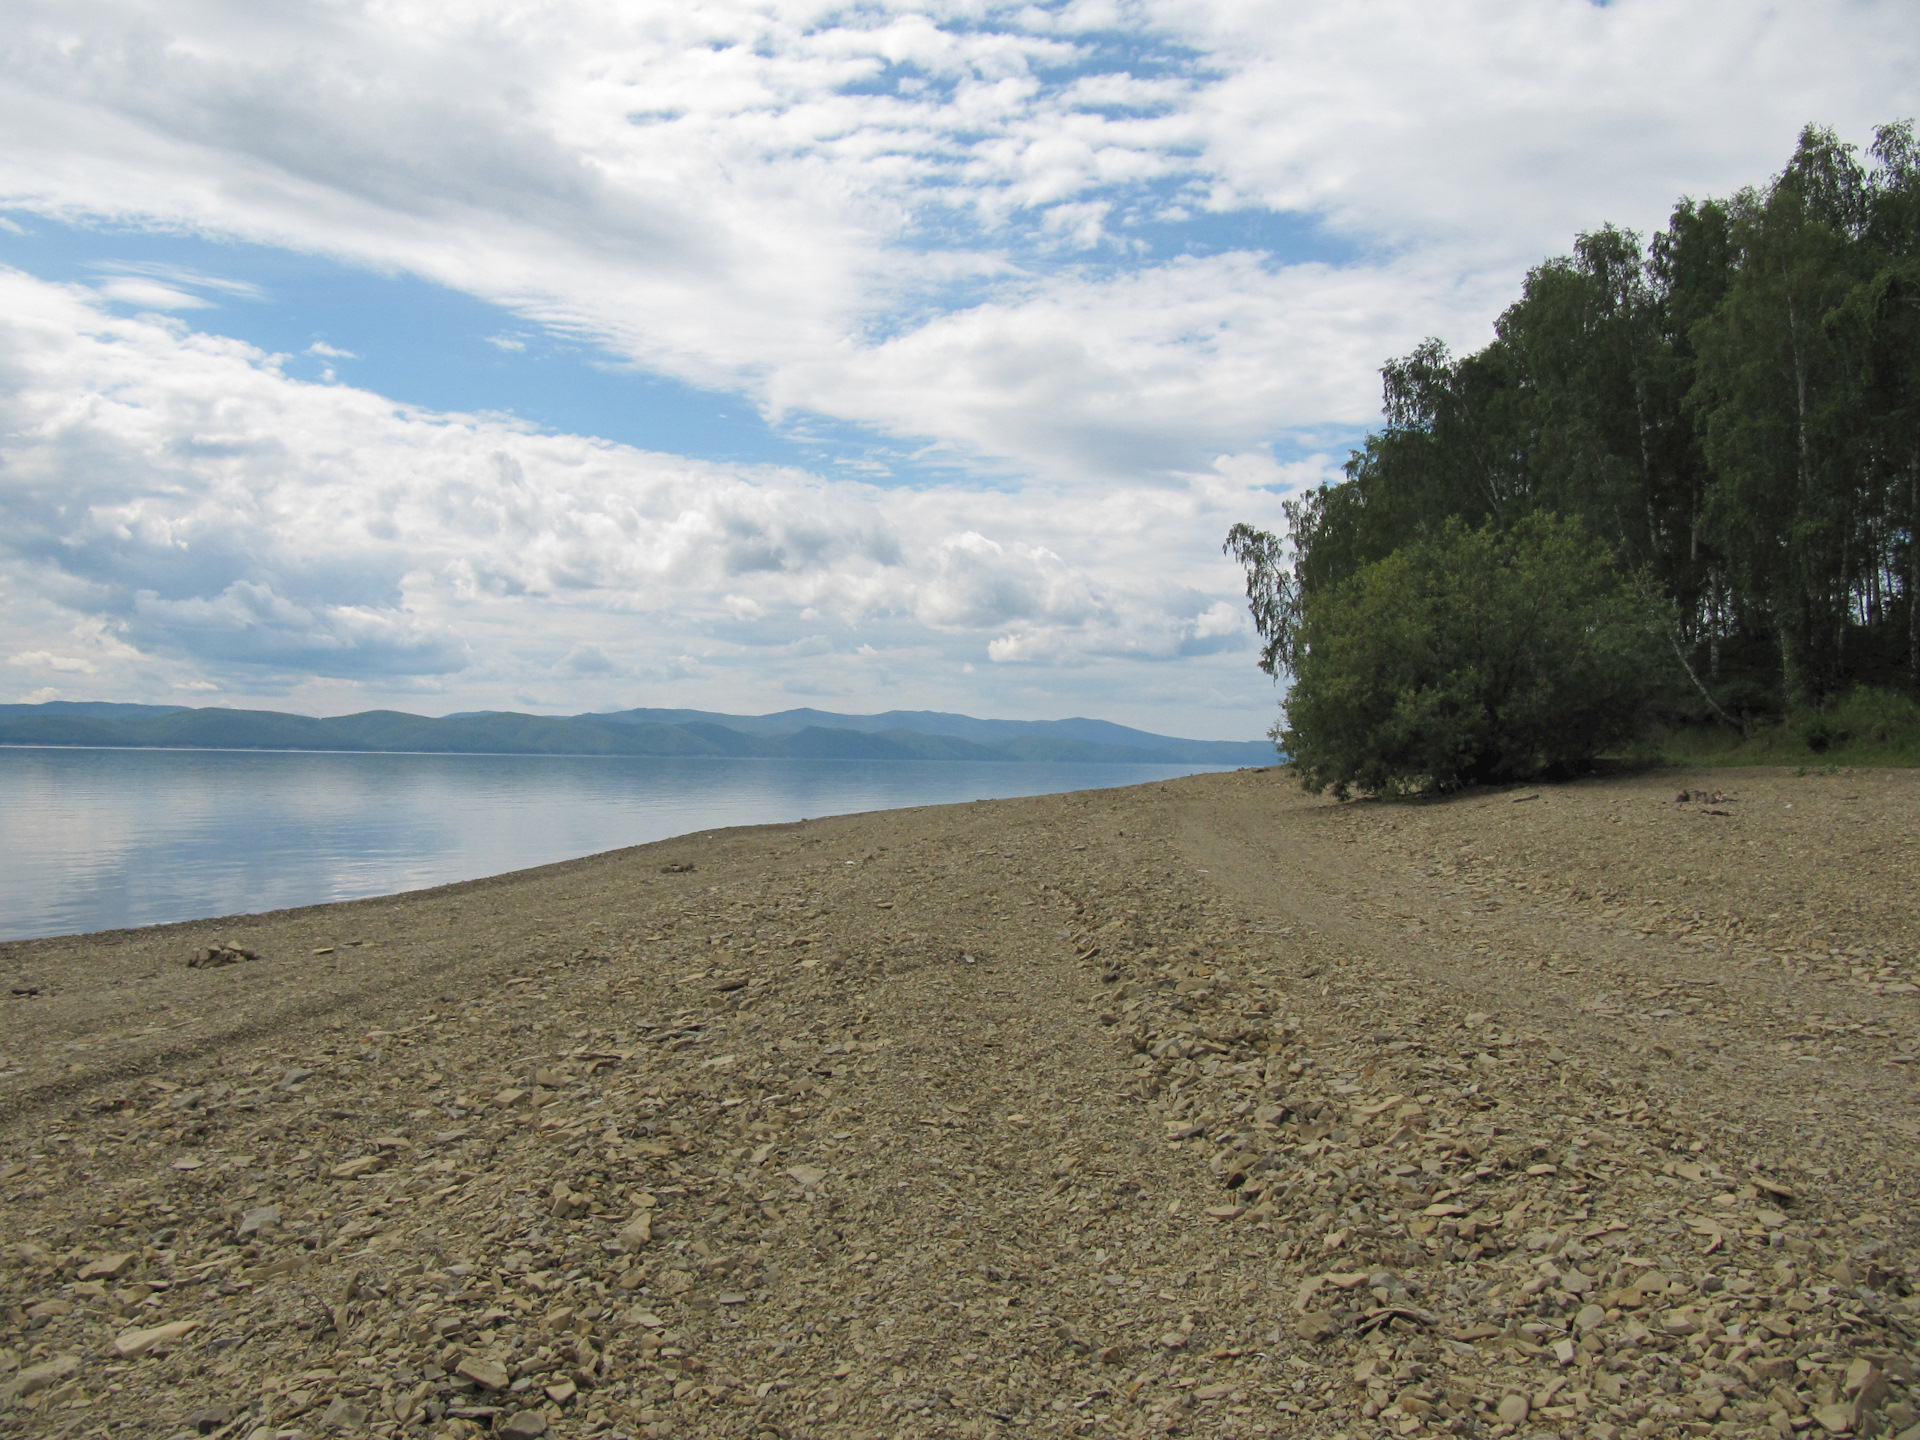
422 343
427 345
739 355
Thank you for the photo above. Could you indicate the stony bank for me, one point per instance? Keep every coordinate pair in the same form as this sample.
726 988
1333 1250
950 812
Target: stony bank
1198 1108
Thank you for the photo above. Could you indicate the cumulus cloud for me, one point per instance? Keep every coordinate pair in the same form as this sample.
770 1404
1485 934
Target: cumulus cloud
1102 261
1133 374
214 519
47 660
588 660
249 624
946 220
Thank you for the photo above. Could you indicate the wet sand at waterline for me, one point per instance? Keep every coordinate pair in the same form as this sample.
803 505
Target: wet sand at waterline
1201 1107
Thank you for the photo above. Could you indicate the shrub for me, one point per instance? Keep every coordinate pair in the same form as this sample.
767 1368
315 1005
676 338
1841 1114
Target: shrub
1875 716
1470 656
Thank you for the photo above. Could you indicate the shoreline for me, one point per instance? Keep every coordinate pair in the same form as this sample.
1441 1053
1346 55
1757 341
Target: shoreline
1198 766
205 837
876 1121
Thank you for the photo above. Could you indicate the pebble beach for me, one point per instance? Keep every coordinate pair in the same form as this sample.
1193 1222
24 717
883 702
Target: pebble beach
1204 1107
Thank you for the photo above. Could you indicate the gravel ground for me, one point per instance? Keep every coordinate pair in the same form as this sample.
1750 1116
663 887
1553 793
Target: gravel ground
1201 1107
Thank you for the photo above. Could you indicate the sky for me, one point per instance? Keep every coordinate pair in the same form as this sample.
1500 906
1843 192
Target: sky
582 355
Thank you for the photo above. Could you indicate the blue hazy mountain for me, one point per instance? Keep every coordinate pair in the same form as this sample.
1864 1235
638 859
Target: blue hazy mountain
934 722
807 734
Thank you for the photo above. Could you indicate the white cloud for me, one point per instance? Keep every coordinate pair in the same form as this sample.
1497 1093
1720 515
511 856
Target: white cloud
320 347
152 295
47 660
798 201
206 518
1499 128
1099 257
248 624
1136 374
183 277
588 660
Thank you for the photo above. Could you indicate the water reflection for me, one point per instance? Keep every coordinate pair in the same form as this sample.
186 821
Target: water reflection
102 839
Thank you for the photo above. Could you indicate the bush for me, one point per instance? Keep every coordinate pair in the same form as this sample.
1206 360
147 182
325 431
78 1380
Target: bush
1873 716
1865 717
1470 656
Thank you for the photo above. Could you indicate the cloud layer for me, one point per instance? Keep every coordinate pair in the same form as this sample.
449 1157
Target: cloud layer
186 513
963 221
1101 259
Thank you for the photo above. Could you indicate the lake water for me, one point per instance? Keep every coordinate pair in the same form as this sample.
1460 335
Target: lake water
102 839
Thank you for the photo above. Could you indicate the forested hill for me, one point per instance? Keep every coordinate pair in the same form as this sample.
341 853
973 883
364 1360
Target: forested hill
912 736
1732 408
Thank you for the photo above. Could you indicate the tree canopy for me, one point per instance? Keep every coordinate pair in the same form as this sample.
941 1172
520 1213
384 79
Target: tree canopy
1731 408
1469 656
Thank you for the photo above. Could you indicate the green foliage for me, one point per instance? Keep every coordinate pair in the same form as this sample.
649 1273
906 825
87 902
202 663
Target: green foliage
1473 655
1732 409
1877 717
1867 726
1271 594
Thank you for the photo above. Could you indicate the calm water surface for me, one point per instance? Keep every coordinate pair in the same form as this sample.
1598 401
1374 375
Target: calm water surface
102 839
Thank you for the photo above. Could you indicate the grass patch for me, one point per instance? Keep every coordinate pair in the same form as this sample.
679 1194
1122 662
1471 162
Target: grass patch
1869 727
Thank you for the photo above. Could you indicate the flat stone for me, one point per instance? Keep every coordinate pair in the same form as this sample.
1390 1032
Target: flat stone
343 1413
524 1426
1835 1419
264 1217
1513 1410
35 1378
210 1418
488 1374
133 1343
1315 1326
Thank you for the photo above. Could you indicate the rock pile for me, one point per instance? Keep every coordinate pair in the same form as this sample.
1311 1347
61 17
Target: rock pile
219 953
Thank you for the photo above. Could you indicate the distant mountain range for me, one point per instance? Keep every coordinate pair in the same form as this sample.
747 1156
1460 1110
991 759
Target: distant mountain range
805 734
